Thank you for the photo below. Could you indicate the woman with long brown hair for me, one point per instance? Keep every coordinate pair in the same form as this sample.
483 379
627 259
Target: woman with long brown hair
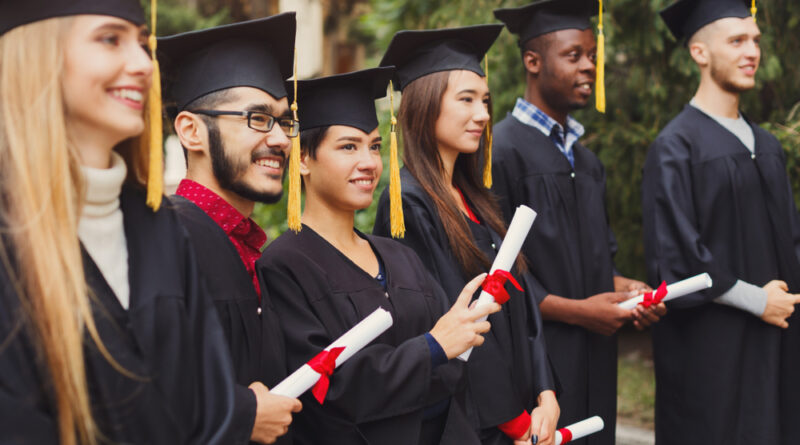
454 224
104 333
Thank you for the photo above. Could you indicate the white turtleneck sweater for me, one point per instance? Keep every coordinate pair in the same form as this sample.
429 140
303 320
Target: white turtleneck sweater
101 228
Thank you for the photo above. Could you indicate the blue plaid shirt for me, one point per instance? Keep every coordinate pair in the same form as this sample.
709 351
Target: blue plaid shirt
530 114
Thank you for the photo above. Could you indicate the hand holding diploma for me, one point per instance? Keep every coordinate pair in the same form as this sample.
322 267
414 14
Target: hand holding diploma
665 293
460 328
493 288
316 373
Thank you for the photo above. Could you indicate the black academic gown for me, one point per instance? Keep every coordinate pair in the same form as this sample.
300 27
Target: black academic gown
251 327
379 395
709 205
169 339
570 249
507 373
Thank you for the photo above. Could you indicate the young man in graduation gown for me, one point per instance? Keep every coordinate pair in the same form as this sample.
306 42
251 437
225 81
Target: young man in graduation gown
717 199
233 119
539 162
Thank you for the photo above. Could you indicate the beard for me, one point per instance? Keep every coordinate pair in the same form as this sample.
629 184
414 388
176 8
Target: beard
726 80
229 172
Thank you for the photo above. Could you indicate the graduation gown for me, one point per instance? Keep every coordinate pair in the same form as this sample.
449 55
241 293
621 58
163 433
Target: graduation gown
709 205
378 396
570 249
251 327
169 338
507 373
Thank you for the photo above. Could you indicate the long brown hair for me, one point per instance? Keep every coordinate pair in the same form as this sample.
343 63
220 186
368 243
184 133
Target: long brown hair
419 110
40 202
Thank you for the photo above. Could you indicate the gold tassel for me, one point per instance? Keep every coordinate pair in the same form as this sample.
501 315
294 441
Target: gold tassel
487 152
600 94
155 171
753 10
294 210
397 220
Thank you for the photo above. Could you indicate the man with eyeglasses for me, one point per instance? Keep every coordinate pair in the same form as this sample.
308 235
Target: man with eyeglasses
232 117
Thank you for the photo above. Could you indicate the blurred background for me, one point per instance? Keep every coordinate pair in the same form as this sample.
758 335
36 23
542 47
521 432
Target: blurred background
649 78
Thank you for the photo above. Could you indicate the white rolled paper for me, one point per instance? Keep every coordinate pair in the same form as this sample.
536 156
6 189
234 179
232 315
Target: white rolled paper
675 290
581 429
507 255
353 341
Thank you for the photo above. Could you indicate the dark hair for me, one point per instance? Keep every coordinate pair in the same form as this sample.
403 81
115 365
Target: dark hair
207 102
539 45
419 110
310 140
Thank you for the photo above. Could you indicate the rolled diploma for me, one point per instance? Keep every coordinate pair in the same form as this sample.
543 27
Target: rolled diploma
353 341
582 428
512 243
675 290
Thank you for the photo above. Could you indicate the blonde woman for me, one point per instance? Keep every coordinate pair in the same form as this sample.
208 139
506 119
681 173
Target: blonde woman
104 334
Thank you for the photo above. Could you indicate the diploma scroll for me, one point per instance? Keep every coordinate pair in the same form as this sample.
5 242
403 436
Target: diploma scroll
579 430
348 344
507 255
675 290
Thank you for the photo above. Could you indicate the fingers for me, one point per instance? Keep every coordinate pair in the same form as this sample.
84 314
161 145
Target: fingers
478 341
296 406
796 298
469 290
482 327
484 310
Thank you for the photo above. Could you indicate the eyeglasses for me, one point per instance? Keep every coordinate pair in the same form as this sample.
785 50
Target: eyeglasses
258 121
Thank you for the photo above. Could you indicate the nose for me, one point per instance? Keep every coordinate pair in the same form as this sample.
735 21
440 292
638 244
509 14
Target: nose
587 64
367 161
752 49
277 138
139 62
482 115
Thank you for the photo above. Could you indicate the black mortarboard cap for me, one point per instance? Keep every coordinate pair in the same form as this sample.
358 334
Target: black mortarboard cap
256 53
343 99
15 13
686 17
419 53
546 16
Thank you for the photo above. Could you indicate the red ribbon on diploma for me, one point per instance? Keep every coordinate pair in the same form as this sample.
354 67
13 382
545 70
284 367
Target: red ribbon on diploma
494 284
324 363
566 435
651 299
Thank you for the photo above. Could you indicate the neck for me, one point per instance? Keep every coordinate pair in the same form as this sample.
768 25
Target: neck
713 99
534 96
335 225
208 180
94 147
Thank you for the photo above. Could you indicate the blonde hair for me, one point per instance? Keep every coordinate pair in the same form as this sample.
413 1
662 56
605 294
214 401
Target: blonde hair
40 198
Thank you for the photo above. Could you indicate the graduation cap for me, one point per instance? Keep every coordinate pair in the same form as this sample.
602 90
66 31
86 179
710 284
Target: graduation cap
546 16
685 17
257 53
14 13
419 53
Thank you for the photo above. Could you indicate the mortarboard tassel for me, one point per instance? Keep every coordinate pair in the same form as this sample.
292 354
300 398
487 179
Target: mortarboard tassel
753 9
397 220
487 155
153 131
600 94
293 212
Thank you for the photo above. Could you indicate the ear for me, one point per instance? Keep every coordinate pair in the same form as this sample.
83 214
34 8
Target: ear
304 158
192 132
699 53
532 61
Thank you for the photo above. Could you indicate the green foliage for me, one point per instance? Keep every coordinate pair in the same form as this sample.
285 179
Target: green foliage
175 17
649 78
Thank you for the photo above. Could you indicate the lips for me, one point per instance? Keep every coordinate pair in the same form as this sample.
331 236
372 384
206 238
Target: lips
366 183
130 96
270 162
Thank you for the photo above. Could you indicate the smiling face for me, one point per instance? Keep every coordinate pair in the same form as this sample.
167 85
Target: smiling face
463 114
345 169
107 73
225 154
732 52
567 73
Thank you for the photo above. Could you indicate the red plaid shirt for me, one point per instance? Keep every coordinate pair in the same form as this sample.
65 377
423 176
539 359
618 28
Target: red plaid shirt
243 232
